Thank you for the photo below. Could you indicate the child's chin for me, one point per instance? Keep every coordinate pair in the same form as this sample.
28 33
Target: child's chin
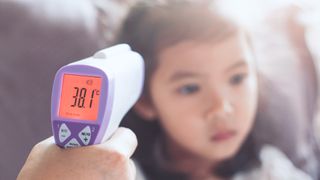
222 154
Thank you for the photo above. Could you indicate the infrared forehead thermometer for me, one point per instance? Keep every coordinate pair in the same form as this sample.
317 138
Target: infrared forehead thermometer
91 96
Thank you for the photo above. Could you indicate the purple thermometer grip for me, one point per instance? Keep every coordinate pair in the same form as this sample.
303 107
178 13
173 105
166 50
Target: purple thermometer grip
72 132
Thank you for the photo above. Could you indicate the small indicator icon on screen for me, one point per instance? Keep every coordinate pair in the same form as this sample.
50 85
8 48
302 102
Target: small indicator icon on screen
89 82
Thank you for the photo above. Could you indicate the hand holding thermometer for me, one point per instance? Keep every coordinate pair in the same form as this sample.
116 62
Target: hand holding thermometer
91 96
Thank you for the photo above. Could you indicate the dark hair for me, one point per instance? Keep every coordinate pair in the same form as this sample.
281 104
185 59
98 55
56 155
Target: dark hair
151 27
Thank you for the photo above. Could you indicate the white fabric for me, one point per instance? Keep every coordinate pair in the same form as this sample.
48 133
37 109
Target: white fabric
139 172
275 166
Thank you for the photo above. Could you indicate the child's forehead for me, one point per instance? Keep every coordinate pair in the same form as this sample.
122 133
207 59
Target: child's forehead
194 55
231 44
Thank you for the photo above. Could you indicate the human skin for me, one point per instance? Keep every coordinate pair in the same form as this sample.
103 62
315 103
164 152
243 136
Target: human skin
205 96
109 160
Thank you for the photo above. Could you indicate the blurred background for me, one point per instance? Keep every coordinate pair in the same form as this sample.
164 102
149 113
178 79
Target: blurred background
38 37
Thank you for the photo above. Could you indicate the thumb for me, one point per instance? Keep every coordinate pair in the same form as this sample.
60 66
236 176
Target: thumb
123 141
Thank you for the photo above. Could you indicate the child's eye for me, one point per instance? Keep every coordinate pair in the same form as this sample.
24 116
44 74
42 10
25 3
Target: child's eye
188 89
237 79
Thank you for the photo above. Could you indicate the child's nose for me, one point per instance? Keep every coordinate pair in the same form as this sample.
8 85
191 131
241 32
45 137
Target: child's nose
219 107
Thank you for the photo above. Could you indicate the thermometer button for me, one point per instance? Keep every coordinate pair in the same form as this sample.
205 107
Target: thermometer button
64 132
72 143
85 135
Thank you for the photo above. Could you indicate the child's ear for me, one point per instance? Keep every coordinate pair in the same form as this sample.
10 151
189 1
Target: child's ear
145 109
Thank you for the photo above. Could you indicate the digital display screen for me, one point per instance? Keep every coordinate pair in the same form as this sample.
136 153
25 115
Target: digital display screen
80 97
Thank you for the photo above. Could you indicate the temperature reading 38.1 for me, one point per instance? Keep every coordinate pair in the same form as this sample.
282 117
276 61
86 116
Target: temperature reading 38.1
80 96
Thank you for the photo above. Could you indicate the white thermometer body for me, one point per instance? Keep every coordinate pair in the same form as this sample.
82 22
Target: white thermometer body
91 96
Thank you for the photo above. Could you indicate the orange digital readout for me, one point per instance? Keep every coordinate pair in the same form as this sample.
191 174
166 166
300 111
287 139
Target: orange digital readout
80 97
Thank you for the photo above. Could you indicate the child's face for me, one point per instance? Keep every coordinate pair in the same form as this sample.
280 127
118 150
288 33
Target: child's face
205 96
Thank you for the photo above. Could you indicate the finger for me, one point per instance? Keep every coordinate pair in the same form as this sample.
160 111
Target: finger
123 141
49 140
46 143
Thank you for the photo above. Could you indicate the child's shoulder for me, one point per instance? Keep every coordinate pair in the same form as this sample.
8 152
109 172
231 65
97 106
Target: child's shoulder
274 165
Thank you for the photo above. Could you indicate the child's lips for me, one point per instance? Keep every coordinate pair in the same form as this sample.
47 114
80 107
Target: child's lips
223 135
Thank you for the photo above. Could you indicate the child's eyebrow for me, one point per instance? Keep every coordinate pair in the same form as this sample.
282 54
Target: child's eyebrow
237 65
181 75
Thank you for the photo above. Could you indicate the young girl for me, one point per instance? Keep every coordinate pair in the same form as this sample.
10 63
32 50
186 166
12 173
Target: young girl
196 115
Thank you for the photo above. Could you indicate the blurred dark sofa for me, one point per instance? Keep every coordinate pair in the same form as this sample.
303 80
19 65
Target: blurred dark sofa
35 41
